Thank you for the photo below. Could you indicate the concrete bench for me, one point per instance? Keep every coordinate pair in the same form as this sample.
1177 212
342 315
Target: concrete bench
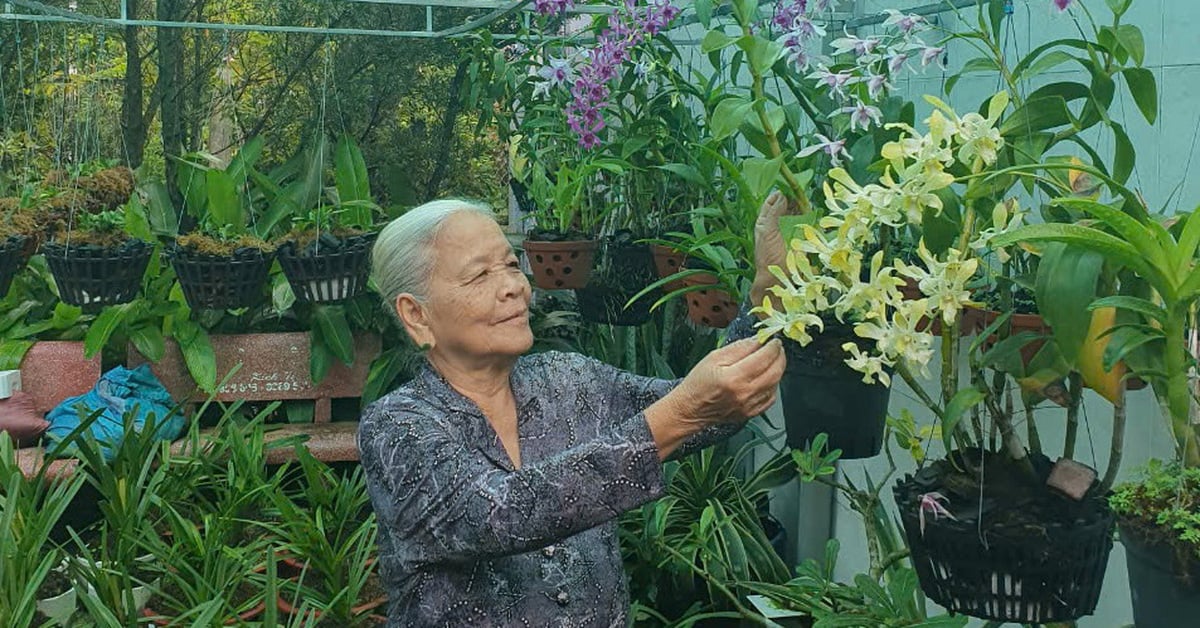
54 371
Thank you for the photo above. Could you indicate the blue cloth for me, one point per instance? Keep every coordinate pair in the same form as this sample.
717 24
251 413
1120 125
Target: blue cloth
135 391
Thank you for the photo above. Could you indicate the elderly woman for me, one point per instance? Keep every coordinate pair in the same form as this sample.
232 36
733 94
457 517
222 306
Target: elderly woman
497 478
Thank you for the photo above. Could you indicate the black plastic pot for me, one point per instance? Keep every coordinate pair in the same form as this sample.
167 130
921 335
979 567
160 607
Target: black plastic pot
624 271
1161 598
777 535
12 258
1009 574
820 394
330 269
218 282
92 277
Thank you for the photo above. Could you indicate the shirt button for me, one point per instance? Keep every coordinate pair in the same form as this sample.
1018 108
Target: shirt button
562 598
548 551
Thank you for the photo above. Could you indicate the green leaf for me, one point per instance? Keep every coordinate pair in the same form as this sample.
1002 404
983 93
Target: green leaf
1124 155
1037 115
190 177
1188 241
1131 39
1123 341
728 115
137 222
243 162
1144 89
687 172
1048 62
716 39
300 411
978 64
224 204
12 352
1133 232
1111 247
760 175
335 331
198 353
102 328
745 10
1133 304
350 172
761 52
704 10
148 340
1065 286
1067 90
1118 7
962 401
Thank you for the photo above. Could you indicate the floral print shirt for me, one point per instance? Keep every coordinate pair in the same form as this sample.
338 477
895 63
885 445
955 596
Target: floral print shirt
468 540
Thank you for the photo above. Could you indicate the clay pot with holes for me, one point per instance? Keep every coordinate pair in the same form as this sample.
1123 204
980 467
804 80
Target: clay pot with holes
561 265
668 261
711 307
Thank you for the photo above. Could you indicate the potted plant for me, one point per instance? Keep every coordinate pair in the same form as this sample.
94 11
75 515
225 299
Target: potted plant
330 533
31 583
1158 290
15 230
561 249
95 262
624 268
326 255
224 262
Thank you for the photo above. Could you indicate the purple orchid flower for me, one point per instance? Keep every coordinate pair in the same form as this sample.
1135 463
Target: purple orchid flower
1062 5
897 60
904 23
552 7
876 85
835 81
932 503
930 54
862 115
836 149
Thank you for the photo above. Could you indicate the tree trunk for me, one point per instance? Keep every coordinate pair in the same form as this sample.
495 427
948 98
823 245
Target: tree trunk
170 74
133 119
449 121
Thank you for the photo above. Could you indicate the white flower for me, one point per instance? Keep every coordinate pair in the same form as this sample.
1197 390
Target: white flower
862 115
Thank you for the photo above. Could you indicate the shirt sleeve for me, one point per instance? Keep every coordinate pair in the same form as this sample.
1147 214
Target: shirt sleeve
443 503
631 393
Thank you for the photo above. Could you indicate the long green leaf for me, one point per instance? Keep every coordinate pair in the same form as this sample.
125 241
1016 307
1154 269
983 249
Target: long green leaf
149 341
12 352
1144 90
198 353
1188 242
350 172
962 401
1135 233
335 331
243 162
1133 304
1066 284
103 327
224 204
1108 245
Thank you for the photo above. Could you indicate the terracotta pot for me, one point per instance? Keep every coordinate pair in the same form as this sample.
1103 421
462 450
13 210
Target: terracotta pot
710 307
668 261
244 616
561 265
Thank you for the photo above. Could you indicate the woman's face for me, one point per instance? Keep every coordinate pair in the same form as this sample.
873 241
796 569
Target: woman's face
478 305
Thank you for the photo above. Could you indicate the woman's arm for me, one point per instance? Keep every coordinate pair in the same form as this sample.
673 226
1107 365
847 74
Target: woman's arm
443 503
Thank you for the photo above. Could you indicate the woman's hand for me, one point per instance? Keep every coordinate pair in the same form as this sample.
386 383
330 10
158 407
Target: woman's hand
730 385
769 247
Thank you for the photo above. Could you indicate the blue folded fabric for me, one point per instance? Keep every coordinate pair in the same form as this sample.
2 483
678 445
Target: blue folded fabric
135 391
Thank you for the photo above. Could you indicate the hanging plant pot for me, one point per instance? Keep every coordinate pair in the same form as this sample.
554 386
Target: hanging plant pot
1024 554
710 307
12 259
218 282
92 276
626 270
561 265
1161 596
667 262
821 394
328 268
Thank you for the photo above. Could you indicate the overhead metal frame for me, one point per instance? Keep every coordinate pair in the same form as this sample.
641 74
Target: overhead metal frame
37 11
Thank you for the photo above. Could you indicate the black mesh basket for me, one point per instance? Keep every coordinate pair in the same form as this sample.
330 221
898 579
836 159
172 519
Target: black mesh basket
219 282
12 258
624 271
92 277
1052 574
330 273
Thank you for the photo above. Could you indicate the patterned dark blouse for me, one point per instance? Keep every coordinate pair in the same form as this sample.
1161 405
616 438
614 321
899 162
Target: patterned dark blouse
467 540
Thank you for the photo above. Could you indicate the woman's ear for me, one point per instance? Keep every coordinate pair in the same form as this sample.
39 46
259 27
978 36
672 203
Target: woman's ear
416 322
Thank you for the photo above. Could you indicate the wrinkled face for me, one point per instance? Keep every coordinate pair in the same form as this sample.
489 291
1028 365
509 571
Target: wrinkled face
478 305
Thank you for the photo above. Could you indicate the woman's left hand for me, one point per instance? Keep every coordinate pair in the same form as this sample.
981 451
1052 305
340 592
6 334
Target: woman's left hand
769 247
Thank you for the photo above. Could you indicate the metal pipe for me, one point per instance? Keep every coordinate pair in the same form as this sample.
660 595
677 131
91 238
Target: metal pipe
925 9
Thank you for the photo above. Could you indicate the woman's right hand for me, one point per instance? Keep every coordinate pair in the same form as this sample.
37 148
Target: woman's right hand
730 385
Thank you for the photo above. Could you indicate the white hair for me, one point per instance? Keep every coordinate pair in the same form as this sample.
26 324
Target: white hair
402 259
